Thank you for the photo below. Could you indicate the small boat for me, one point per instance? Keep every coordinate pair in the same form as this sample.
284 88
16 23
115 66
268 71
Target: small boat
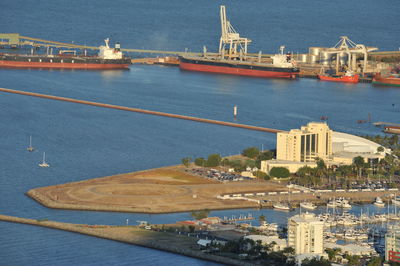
392 80
345 205
348 77
379 202
44 164
339 203
308 205
331 204
281 206
396 201
30 148
392 129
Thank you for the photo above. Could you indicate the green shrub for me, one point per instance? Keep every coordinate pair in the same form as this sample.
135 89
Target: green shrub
200 161
251 152
279 172
213 160
261 175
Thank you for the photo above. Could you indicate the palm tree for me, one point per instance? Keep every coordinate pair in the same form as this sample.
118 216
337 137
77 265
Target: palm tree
358 162
321 167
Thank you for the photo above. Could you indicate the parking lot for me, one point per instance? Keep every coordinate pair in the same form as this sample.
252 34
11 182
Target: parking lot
217 174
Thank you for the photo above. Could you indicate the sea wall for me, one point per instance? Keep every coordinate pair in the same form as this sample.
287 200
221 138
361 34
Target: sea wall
149 242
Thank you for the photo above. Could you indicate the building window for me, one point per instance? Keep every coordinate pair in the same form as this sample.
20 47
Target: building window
313 143
326 141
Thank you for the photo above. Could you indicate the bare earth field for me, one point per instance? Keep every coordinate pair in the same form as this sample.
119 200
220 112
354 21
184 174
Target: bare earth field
161 190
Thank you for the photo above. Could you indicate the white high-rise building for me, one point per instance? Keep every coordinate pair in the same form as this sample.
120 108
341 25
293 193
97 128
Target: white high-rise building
392 245
305 234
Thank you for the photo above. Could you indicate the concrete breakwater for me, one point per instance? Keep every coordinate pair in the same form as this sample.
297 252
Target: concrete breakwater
178 244
143 111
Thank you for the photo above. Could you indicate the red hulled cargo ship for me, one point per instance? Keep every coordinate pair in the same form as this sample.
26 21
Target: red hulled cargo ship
231 61
108 58
235 67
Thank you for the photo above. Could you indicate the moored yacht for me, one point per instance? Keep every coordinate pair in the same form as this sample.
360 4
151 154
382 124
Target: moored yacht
379 202
339 203
281 206
396 201
308 205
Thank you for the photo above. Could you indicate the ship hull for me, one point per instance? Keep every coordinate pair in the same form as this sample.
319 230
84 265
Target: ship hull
236 68
60 62
346 79
389 81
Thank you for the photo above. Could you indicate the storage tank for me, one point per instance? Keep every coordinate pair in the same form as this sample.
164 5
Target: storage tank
314 50
313 59
302 58
325 58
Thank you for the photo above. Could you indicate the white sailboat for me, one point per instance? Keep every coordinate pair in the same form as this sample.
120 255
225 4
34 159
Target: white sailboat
331 204
44 164
30 148
308 205
396 201
379 202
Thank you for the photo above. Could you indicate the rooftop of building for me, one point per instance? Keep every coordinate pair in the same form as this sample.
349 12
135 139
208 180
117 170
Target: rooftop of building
305 218
352 249
352 143
268 239
274 161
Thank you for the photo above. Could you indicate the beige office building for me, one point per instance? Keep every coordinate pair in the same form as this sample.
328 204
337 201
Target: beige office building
305 234
305 144
300 147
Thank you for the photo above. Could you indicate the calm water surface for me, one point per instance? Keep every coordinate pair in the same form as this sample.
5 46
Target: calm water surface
84 142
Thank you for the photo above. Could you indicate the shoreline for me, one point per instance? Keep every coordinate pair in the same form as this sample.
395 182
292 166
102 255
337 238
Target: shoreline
132 235
172 190
115 193
53 205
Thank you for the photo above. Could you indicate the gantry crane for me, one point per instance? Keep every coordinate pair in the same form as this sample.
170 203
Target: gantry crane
345 45
230 40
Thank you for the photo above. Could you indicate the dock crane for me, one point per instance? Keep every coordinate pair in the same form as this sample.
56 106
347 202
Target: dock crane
230 39
345 45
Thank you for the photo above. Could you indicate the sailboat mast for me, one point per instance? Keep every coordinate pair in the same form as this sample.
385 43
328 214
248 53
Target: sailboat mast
30 148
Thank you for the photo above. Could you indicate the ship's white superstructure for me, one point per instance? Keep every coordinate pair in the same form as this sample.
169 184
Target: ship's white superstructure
106 52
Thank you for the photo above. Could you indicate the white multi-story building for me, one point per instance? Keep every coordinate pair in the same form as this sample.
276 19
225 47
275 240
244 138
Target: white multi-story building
305 234
392 246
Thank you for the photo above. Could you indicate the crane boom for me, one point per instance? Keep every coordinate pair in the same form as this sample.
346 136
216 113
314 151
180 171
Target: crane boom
230 40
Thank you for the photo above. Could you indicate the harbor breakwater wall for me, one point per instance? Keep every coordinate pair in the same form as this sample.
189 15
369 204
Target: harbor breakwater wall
103 231
143 111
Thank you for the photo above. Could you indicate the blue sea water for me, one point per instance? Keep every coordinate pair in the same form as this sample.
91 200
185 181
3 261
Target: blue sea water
84 142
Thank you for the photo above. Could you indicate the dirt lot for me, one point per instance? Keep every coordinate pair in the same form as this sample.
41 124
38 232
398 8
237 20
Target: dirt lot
161 190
